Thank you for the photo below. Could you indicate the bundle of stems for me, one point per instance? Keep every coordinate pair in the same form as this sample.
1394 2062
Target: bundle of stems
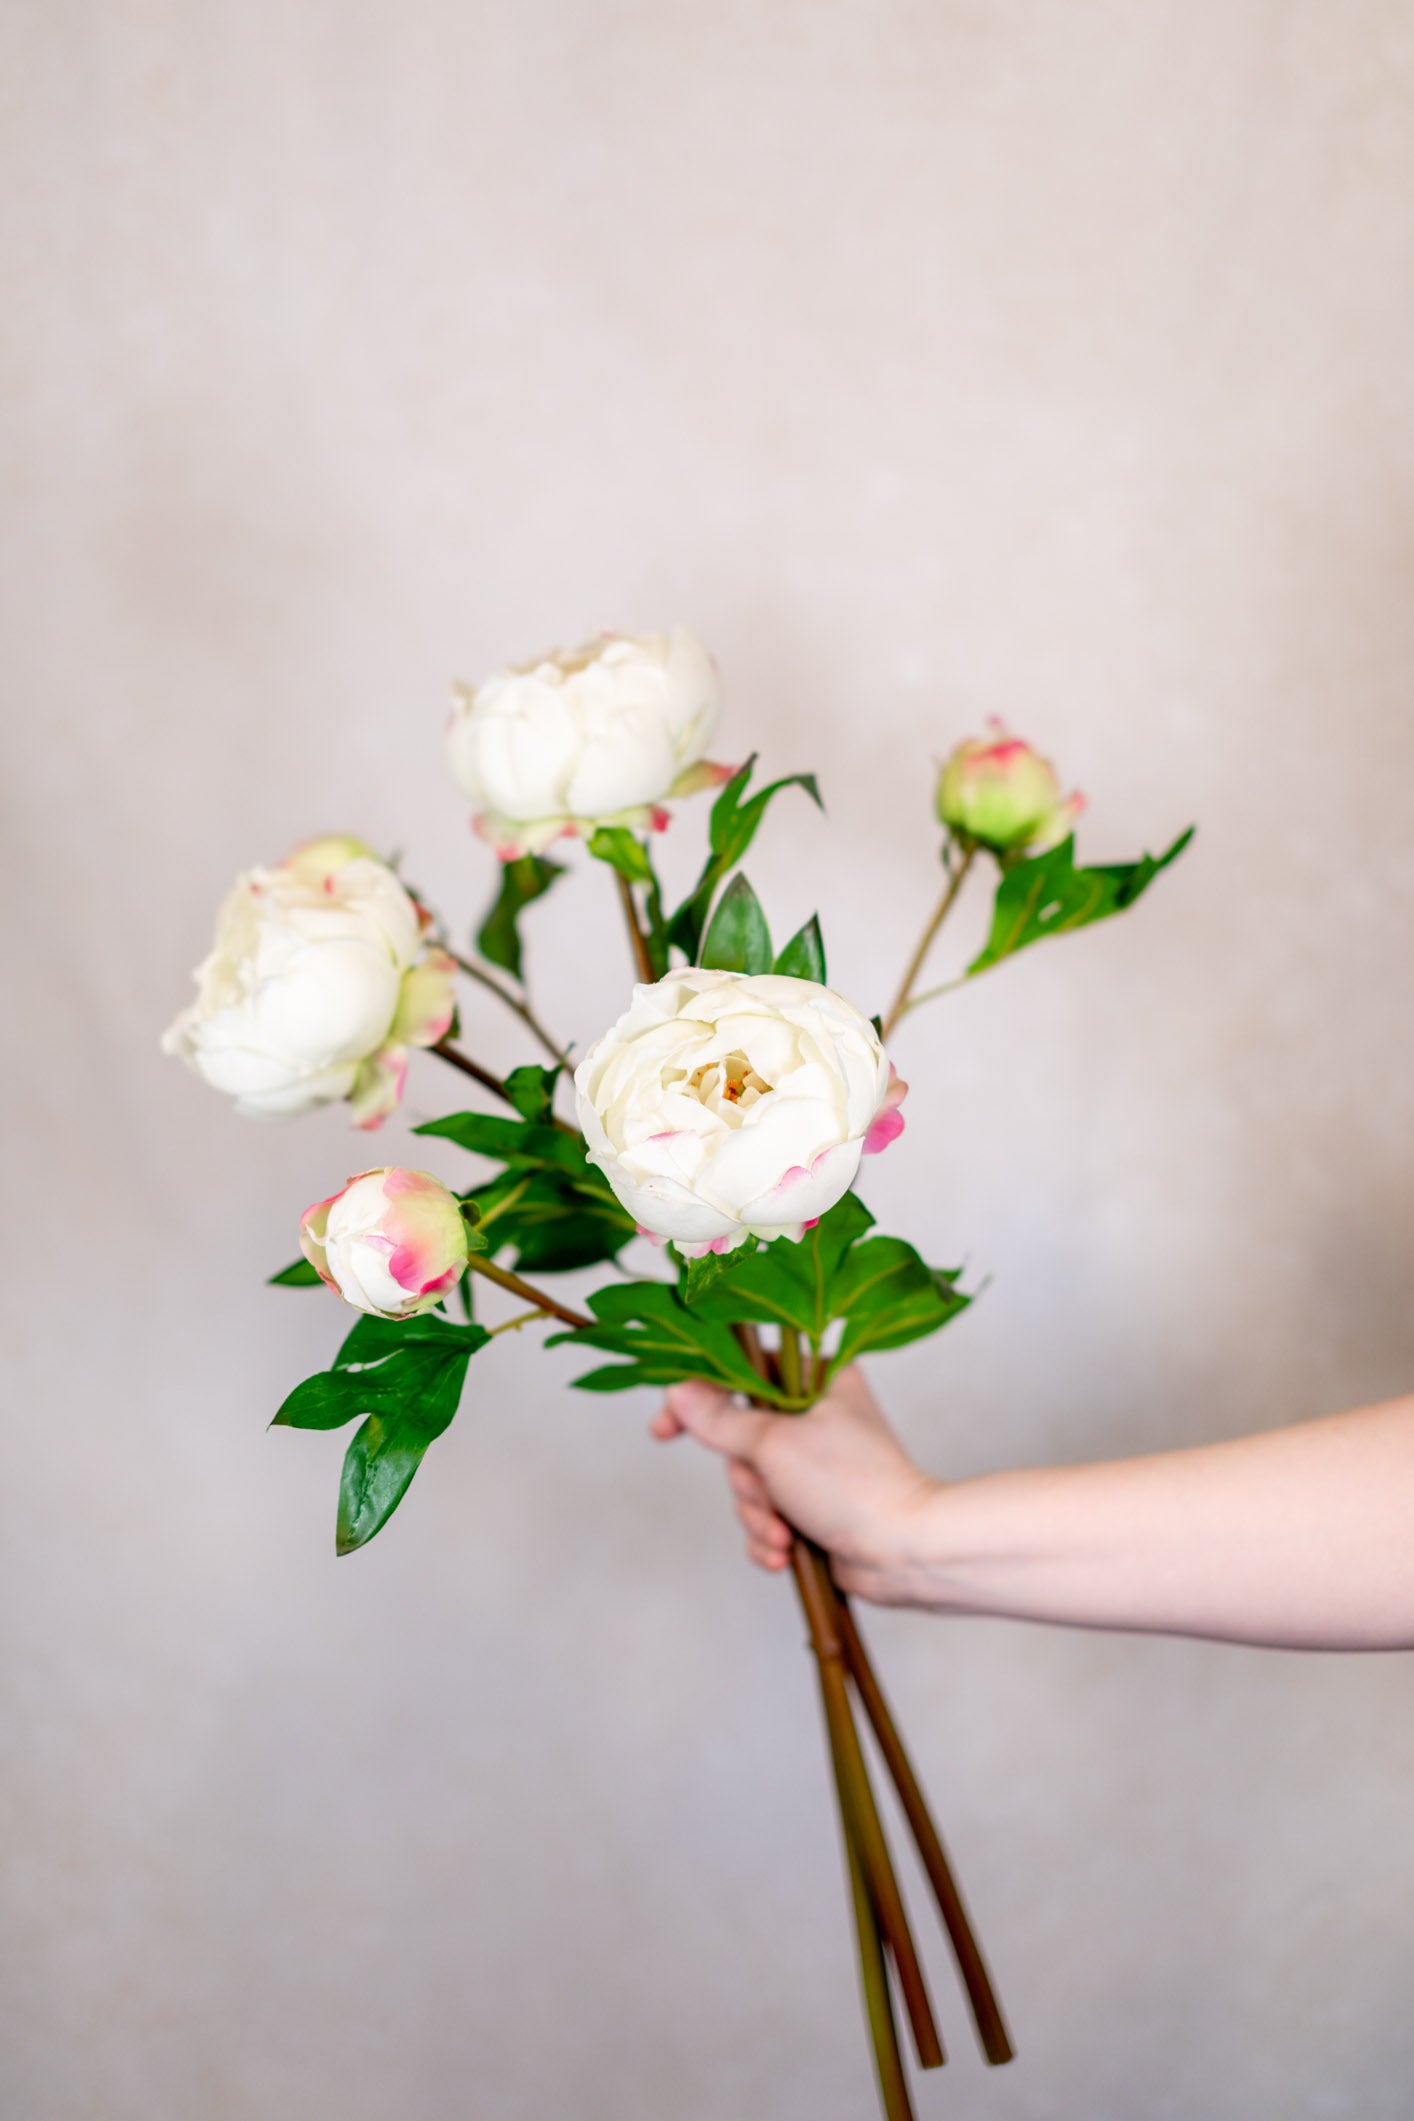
885 1940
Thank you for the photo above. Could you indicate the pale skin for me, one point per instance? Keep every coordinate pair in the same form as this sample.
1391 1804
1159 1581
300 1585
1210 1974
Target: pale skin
1299 1538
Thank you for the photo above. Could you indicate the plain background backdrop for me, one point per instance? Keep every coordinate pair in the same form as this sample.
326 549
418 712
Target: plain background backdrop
931 361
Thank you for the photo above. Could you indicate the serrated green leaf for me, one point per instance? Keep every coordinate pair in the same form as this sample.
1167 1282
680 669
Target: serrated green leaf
1047 895
523 881
298 1275
730 831
738 939
531 1090
617 846
804 955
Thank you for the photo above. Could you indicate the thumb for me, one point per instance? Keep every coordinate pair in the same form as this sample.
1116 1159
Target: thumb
707 1412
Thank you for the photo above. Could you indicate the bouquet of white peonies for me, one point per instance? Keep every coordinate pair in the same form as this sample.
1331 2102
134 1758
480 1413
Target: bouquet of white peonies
725 1115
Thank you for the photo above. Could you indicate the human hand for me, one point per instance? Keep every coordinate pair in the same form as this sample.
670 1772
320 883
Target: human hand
837 1473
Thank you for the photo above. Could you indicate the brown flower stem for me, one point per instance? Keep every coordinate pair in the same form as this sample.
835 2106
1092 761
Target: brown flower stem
637 937
474 1069
493 1083
986 2011
749 1341
518 1005
857 1798
925 941
526 1291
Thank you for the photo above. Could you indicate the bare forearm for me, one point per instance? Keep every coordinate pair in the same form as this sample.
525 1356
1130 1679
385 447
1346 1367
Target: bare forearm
1300 1537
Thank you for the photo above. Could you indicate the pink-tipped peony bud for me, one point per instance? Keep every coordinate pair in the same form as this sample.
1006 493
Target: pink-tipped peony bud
1003 795
391 1242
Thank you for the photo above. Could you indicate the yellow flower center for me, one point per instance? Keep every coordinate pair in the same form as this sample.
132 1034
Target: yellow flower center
726 1086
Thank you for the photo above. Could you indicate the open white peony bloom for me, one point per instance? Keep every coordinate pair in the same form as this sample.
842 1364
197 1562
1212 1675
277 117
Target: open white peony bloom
723 1104
595 735
316 987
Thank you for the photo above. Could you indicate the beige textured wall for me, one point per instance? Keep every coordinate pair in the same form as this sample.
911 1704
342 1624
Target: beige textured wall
931 361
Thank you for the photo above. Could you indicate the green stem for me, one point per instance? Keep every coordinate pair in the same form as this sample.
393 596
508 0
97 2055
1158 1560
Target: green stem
791 1378
925 941
513 1325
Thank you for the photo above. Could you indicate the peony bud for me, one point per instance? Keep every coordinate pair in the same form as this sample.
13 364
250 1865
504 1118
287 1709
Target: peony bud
316 987
391 1242
596 735
1004 795
726 1104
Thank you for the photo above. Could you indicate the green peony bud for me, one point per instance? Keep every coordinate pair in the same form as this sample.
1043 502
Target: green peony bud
1003 795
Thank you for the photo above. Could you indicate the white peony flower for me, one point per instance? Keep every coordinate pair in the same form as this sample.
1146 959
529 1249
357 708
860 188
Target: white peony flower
316 987
391 1242
723 1104
588 736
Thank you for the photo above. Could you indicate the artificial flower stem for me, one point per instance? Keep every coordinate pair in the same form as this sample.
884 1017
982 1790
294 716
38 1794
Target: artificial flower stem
474 1069
521 1008
526 1291
873 1963
789 1358
874 1982
925 942
636 935
812 1580
493 1083
513 1325
986 2011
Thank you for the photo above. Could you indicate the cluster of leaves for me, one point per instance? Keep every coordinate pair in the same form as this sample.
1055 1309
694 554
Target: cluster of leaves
877 1290
732 826
547 1205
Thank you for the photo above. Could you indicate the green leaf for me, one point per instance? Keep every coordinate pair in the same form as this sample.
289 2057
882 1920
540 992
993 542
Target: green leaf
697 1276
377 1341
1048 895
730 831
804 955
664 1342
738 939
532 1091
790 1284
298 1275
553 1222
617 846
384 1366
404 1375
888 1295
511 1141
523 881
